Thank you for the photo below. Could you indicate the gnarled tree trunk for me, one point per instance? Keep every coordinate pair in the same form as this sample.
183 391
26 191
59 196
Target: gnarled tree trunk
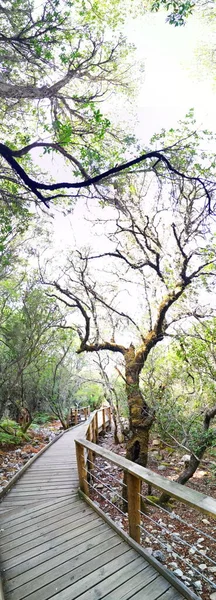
141 417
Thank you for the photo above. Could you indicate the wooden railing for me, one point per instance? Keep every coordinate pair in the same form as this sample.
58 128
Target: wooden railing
76 414
134 476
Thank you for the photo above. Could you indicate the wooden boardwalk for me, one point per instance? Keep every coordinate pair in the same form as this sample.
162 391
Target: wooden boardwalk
53 545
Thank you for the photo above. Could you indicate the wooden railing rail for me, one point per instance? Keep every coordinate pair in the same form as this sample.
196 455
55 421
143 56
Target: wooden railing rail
91 474
137 474
76 413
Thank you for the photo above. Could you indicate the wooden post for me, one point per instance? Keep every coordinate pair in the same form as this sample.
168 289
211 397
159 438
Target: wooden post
82 472
133 497
90 453
85 413
96 427
76 416
104 420
110 416
89 412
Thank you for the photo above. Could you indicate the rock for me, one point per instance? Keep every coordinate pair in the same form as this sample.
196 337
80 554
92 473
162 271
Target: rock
176 537
161 468
193 550
147 540
202 567
168 548
173 565
213 596
159 555
178 572
25 455
155 443
114 499
200 540
190 572
212 569
185 459
149 550
198 585
99 486
206 522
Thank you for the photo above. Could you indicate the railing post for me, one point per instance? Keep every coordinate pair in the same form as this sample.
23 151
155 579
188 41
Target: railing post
133 498
110 416
89 412
76 416
96 427
82 472
90 453
85 413
104 420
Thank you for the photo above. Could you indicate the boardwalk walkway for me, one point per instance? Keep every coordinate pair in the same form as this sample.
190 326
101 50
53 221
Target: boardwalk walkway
54 546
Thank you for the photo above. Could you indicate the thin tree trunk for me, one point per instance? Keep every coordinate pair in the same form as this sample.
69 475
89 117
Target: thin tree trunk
205 442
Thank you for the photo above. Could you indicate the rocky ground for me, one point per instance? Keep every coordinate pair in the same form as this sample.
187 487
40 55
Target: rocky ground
13 458
181 538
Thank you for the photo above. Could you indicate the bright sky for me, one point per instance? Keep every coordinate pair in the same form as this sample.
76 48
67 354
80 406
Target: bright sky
169 88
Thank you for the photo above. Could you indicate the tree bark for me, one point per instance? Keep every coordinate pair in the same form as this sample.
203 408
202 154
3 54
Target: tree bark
141 417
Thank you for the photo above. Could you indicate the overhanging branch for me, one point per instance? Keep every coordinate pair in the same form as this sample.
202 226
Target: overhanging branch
36 186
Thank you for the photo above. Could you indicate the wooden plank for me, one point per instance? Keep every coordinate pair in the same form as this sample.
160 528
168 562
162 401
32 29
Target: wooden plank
112 586
41 559
171 595
28 542
49 519
83 575
65 554
168 575
133 585
26 466
47 545
40 517
202 502
153 590
66 569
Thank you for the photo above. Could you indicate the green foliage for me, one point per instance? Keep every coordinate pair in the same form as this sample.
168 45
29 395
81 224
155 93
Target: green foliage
180 385
42 418
180 11
11 433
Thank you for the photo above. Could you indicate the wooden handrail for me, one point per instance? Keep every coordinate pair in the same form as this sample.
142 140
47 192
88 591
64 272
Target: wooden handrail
134 475
201 502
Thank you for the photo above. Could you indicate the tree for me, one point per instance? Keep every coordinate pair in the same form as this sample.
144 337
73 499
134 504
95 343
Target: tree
180 11
180 387
28 324
157 255
59 61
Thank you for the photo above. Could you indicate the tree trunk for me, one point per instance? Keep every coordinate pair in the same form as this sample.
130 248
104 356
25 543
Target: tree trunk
205 442
141 417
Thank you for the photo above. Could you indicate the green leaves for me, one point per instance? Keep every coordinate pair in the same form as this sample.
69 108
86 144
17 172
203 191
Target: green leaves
180 11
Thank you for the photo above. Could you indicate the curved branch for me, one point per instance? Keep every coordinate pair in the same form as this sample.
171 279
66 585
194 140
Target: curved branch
35 186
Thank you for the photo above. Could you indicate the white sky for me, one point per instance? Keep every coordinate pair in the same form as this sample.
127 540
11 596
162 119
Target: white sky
169 87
